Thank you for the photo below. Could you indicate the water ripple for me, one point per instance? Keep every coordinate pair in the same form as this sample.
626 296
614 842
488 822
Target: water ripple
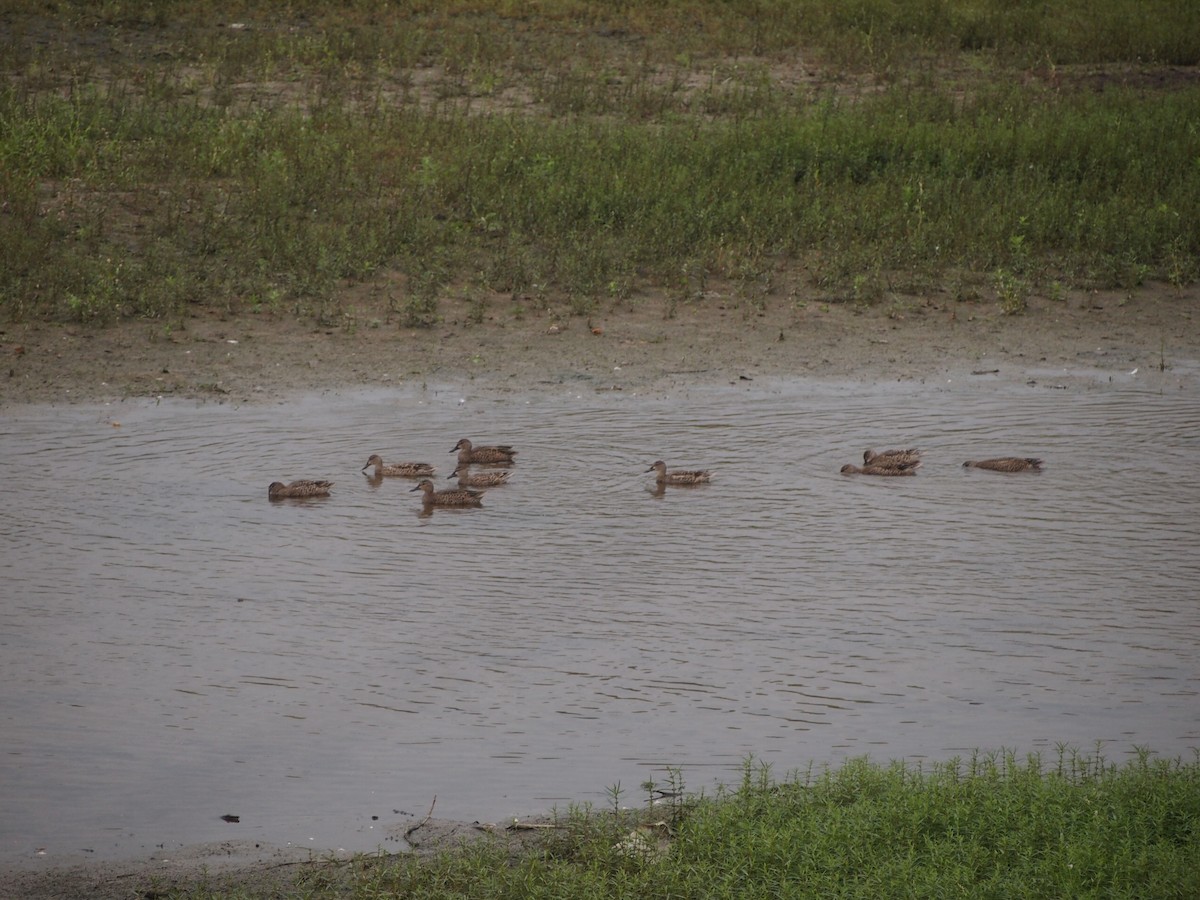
581 628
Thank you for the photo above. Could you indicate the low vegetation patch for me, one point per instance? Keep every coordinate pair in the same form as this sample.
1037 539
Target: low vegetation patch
158 156
991 826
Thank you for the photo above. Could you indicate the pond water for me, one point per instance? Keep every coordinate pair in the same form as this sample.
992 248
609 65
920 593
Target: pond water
176 648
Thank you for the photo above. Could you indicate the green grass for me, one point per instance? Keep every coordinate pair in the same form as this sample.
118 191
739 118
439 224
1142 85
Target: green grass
151 161
991 826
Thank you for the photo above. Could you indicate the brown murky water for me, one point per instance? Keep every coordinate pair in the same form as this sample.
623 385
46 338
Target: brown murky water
175 647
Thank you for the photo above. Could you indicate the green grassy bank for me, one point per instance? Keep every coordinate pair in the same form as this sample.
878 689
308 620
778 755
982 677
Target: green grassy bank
154 156
993 826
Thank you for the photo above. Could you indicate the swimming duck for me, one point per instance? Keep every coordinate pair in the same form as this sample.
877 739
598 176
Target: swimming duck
279 490
448 498
1006 464
479 479
499 455
407 469
891 457
679 476
897 469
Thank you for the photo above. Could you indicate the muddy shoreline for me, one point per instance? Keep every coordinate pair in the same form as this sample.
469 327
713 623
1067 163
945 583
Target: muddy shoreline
254 866
647 344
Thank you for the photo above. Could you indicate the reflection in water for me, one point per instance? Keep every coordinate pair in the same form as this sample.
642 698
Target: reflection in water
176 648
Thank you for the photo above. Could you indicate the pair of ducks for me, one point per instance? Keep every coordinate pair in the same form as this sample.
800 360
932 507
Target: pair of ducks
889 462
468 454
906 462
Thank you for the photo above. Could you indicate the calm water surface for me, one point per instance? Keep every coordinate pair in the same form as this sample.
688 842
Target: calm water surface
175 647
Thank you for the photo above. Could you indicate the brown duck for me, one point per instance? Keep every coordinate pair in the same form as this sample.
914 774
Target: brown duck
467 479
407 469
278 490
679 476
1006 464
460 498
891 457
499 455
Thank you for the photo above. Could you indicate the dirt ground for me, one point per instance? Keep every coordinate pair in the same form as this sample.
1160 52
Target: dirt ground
644 343
254 868
1086 340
